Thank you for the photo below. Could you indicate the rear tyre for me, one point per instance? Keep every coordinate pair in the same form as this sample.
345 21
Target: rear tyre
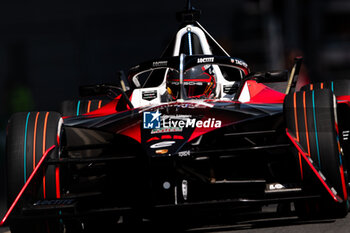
310 117
29 135
79 107
338 87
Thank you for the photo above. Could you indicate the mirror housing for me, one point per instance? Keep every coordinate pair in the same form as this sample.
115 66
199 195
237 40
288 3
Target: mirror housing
104 90
271 76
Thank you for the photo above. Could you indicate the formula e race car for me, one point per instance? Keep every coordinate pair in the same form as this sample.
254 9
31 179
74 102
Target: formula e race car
192 130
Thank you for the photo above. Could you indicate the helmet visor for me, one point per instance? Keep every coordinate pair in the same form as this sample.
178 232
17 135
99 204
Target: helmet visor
198 82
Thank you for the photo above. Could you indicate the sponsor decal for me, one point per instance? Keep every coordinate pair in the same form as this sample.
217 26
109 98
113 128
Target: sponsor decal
230 89
166 130
192 123
151 120
189 105
160 63
175 123
184 153
277 187
55 202
188 83
149 95
205 59
239 62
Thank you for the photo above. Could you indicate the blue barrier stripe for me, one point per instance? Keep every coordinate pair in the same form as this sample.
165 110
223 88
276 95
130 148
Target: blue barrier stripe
317 146
78 108
25 150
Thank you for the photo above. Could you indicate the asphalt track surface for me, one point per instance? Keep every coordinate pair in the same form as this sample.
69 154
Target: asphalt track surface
274 225
267 222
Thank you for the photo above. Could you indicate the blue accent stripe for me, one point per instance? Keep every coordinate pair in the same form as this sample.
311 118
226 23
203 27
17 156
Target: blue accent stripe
78 108
189 43
332 83
25 150
317 146
340 158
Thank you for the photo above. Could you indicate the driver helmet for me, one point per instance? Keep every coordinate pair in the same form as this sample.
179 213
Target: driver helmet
199 82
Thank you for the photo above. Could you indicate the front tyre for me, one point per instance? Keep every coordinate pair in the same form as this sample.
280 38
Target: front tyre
310 117
29 135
